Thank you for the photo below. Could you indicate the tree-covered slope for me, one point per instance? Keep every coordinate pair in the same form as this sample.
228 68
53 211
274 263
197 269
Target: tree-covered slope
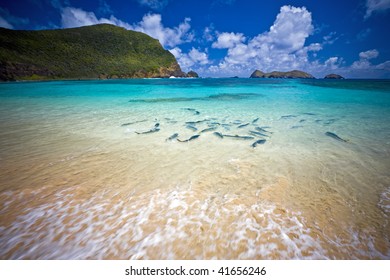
86 52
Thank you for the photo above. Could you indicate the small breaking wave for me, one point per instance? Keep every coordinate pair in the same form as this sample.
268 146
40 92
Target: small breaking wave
159 224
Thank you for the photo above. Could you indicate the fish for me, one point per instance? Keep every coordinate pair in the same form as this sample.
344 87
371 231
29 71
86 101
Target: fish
288 116
309 114
243 125
173 136
195 122
219 134
335 136
155 129
193 128
208 129
243 137
296 126
255 120
258 133
157 125
189 139
303 120
262 129
130 123
196 112
261 141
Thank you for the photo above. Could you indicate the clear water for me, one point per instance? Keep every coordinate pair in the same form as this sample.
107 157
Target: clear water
78 182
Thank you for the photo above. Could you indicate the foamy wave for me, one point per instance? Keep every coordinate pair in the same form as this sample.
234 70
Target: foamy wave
174 224
384 201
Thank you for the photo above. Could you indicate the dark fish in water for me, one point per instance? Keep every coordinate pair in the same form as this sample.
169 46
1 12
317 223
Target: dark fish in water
193 128
262 129
243 125
189 139
301 121
261 141
330 121
219 134
309 114
130 123
258 133
255 120
195 122
209 129
173 136
155 129
335 136
157 125
213 124
226 126
296 126
192 110
243 137
288 116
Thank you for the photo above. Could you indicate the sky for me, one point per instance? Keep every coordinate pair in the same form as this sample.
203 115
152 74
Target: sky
225 38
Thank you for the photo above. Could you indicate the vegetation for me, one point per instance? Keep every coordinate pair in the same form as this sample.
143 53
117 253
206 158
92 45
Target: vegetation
86 52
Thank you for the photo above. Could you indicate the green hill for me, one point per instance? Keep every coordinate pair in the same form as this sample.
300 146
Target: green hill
103 50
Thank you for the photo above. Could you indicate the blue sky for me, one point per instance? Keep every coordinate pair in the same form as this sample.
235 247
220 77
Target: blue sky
223 38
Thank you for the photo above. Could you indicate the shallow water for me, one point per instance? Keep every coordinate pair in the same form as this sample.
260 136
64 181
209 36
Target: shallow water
80 180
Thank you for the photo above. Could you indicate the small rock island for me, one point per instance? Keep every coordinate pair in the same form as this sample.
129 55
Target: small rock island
333 76
295 74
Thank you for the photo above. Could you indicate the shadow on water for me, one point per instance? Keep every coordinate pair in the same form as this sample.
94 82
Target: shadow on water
214 97
352 84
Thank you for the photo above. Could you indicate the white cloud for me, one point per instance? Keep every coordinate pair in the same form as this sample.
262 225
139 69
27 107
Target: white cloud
151 24
154 4
369 54
280 48
376 5
208 33
364 57
74 17
227 40
4 23
194 58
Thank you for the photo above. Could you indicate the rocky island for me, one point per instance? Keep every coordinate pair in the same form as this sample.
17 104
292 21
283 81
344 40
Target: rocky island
333 76
91 52
295 74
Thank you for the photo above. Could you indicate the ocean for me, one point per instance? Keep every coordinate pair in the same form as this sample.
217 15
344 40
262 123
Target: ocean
195 169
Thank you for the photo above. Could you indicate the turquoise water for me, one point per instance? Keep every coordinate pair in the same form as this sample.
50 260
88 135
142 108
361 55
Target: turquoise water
88 169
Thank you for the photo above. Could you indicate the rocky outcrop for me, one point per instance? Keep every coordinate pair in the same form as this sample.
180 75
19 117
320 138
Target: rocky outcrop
295 74
257 74
11 71
192 74
333 76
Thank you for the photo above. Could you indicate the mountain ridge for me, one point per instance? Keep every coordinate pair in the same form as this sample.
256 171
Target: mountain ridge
88 52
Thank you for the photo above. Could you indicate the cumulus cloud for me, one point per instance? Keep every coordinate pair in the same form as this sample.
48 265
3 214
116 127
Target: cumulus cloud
154 4
74 17
150 24
194 58
376 6
227 40
364 59
4 23
7 20
280 48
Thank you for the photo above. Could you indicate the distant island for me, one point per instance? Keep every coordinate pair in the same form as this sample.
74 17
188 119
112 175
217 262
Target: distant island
100 51
333 76
295 74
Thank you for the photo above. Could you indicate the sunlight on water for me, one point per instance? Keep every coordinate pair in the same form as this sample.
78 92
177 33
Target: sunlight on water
195 169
